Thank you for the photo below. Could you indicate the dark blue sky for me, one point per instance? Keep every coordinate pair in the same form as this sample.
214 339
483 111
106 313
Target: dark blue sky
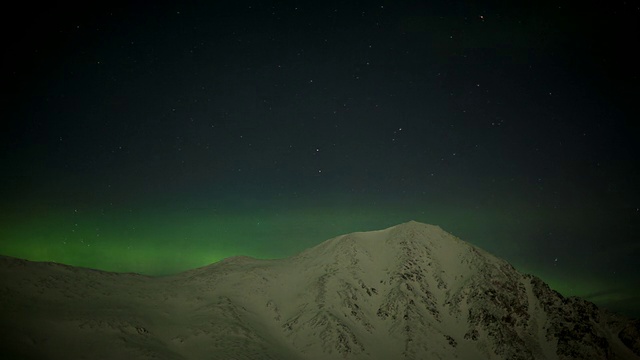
512 126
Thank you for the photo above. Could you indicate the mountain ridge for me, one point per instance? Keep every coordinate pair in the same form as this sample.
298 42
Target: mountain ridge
409 291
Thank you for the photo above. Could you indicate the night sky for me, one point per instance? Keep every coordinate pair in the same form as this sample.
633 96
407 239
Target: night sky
158 138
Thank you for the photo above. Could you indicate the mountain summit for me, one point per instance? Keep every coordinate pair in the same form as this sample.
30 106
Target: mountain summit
411 291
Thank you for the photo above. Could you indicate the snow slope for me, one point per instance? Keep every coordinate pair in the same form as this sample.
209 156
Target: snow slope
411 291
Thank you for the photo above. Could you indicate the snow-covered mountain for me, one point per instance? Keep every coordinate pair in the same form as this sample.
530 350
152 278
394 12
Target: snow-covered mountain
411 291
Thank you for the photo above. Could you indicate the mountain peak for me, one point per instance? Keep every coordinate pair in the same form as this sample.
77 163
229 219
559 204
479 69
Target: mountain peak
405 292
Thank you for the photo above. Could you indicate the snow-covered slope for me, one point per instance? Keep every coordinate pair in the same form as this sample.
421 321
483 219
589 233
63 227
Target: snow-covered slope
411 291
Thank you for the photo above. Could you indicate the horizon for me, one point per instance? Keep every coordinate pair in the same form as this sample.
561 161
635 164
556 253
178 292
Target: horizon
615 299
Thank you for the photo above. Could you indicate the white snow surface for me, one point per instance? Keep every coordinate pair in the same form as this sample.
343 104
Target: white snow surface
411 291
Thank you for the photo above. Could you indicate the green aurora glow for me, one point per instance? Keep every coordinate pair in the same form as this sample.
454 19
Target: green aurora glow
155 242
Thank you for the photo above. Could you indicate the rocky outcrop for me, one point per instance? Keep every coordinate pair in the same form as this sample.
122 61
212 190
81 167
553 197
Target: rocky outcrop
630 336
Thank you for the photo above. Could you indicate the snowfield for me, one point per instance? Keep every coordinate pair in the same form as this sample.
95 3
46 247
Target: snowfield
411 291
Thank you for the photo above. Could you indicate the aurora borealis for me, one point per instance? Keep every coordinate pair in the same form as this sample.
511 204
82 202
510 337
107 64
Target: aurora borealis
160 138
